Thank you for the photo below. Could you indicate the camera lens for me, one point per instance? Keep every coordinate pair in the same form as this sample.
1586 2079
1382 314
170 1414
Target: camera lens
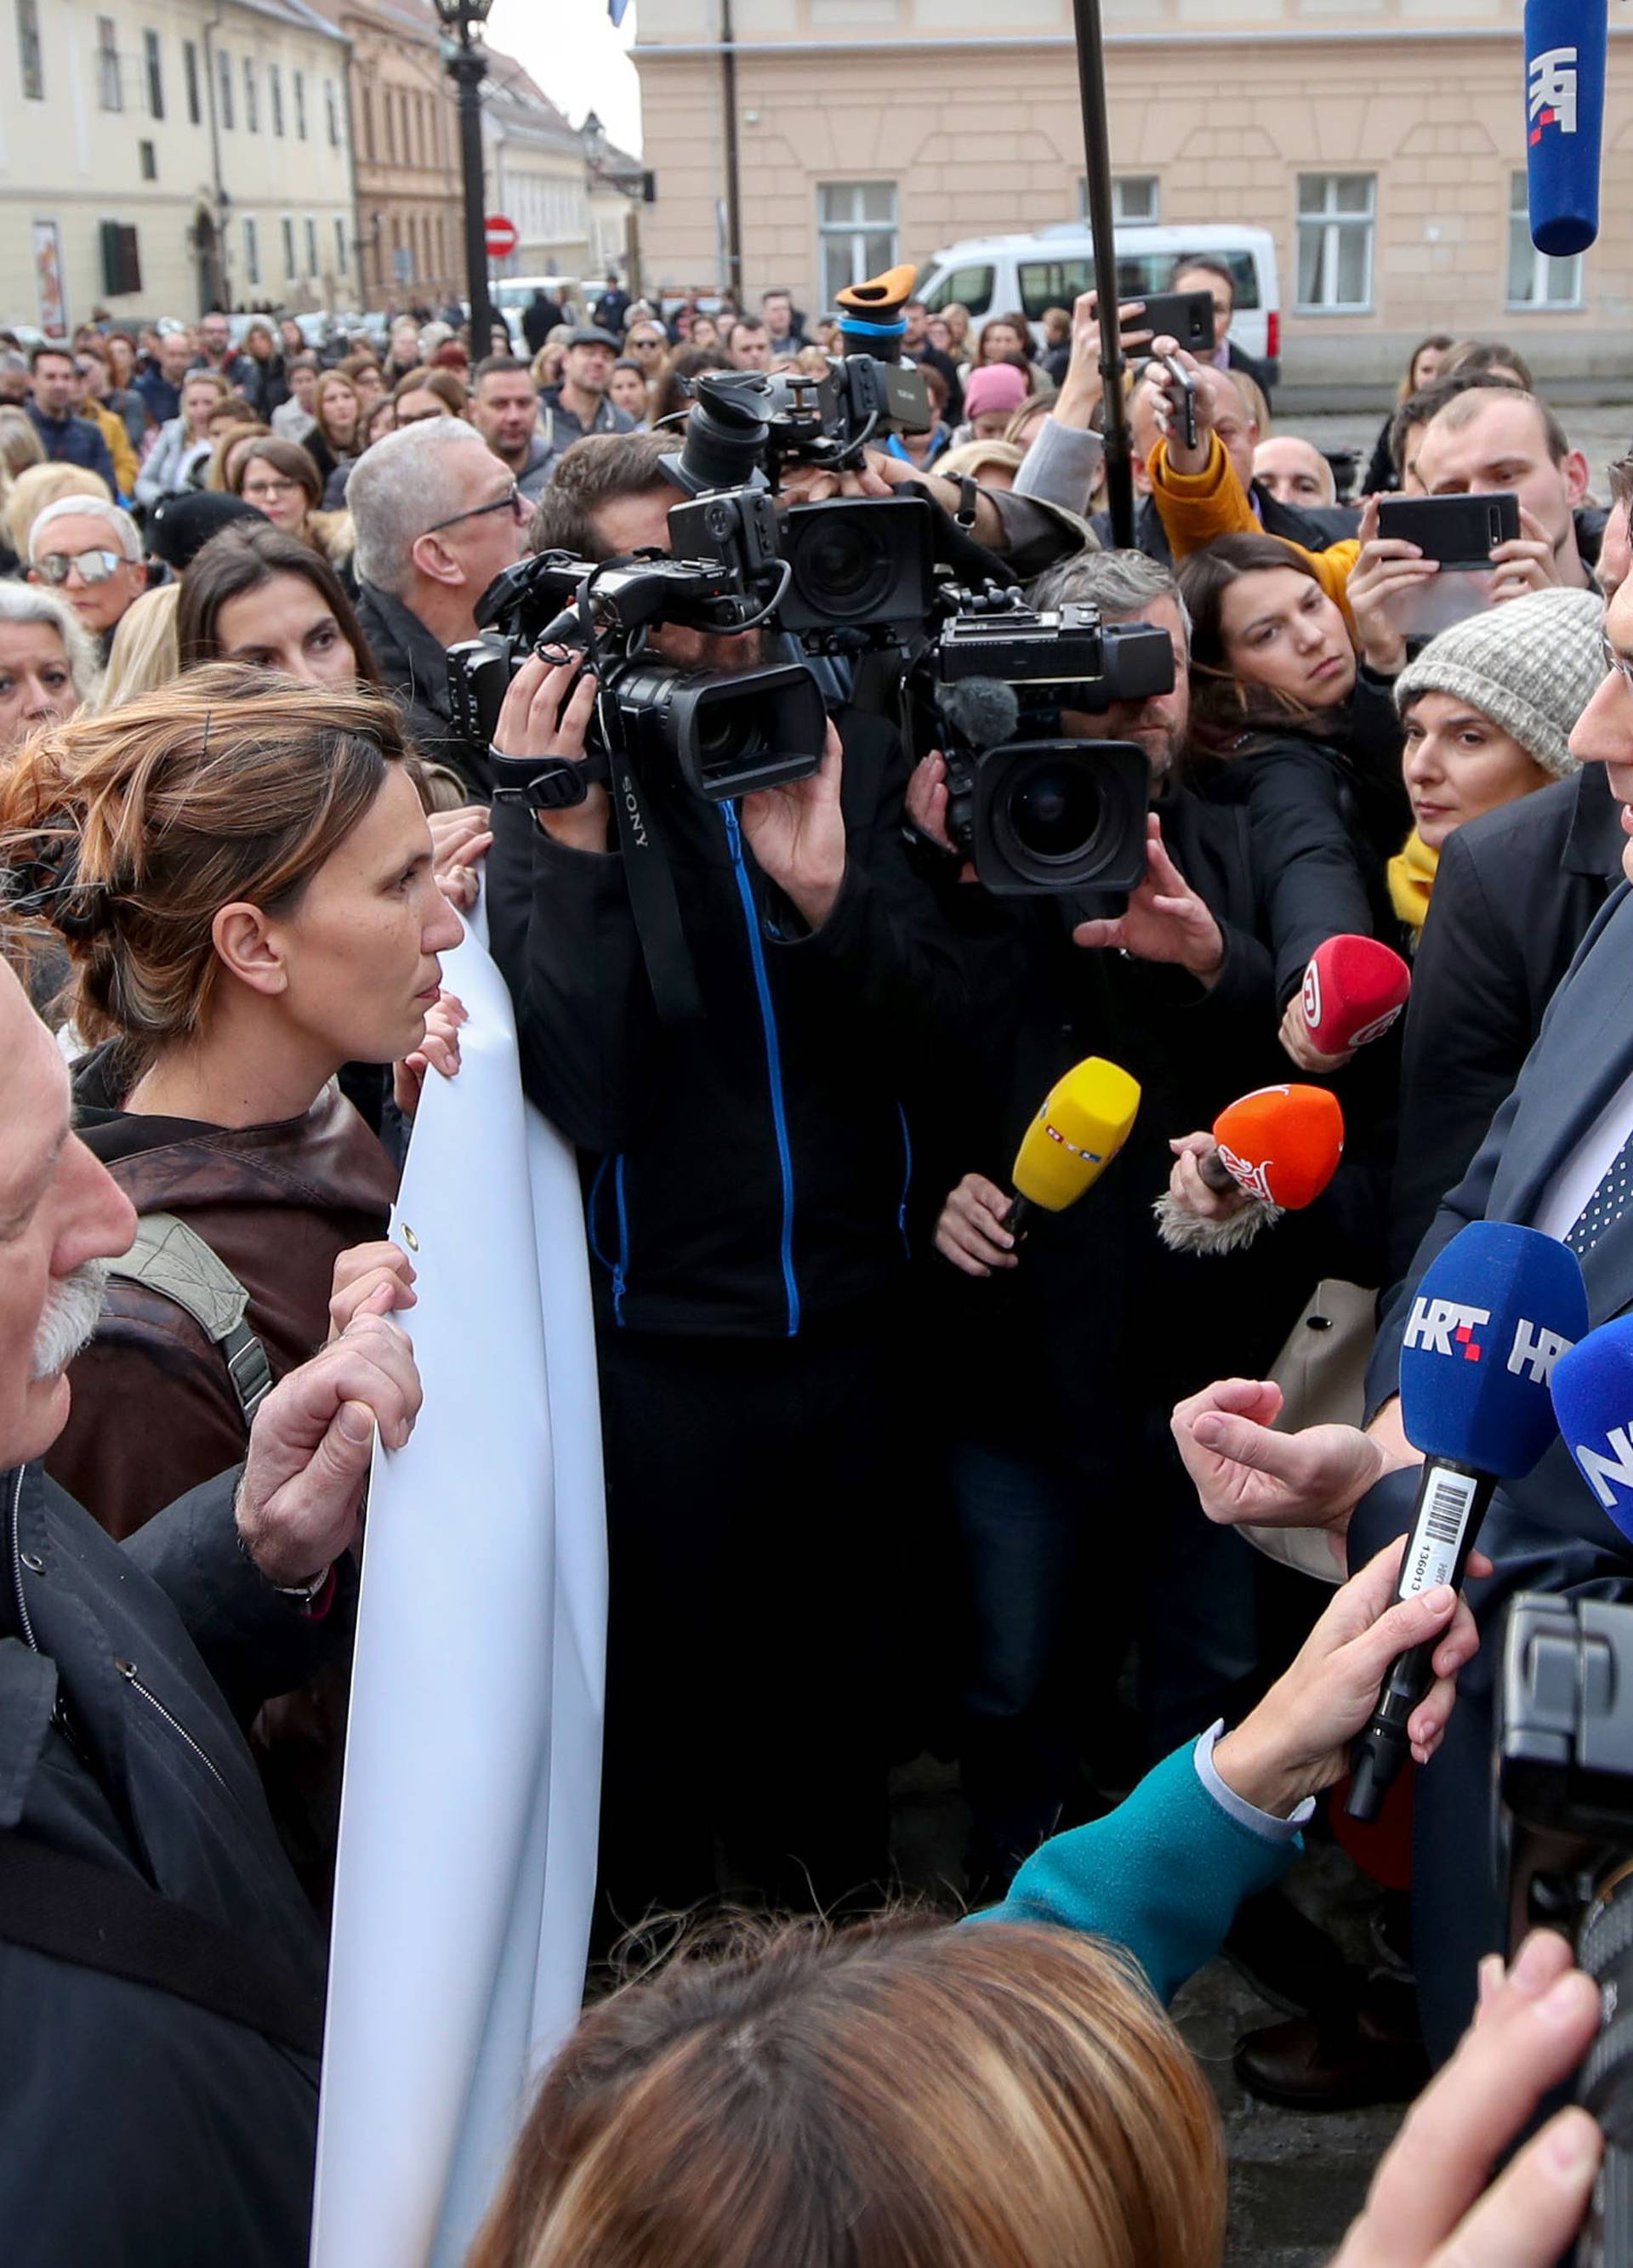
1052 812
845 567
729 732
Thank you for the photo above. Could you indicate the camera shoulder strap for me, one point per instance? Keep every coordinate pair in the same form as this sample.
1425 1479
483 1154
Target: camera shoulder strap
653 901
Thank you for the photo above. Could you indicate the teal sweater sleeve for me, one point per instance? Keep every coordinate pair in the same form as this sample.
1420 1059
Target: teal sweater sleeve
1163 1876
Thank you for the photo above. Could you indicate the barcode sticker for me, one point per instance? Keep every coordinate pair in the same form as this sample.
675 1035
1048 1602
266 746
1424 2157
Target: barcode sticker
1436 1539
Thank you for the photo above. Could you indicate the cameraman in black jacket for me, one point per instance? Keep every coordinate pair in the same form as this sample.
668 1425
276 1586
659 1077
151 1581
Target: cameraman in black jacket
747 1180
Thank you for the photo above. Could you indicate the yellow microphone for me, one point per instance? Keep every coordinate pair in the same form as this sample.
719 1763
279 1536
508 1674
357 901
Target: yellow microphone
1084 1121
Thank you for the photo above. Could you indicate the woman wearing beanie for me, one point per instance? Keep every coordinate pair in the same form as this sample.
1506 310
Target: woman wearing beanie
1487 709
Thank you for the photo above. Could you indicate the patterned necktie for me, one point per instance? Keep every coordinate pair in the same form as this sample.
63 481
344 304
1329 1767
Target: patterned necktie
1605 1207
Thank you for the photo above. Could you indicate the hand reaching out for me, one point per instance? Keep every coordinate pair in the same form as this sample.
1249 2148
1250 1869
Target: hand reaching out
1165 919
797 833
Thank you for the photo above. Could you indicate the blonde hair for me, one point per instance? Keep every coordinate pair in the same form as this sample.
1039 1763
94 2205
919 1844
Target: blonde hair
41 485
248 427
127 832
144 654
895 2095
975 457
20 446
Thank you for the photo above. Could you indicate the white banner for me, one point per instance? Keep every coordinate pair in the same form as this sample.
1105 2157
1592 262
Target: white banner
466 1862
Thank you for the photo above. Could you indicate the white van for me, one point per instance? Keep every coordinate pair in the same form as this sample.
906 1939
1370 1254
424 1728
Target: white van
1002 275
512 295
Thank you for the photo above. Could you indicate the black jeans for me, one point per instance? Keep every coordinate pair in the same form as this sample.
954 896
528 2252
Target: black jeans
751 1495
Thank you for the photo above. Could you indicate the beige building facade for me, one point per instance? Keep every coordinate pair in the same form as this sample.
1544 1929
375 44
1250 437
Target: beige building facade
164 157
1381 142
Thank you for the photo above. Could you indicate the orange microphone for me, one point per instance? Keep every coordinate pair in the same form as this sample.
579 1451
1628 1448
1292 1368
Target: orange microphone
1280 1144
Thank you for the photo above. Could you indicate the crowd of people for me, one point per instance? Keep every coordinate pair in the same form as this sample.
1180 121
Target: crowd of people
886 1472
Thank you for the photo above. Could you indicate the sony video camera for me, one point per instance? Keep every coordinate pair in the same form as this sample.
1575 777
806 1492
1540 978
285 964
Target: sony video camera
1564 1759
1035 809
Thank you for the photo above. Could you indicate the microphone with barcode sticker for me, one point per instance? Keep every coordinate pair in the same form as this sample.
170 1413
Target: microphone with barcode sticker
1494 1314
1565 44
1594 1401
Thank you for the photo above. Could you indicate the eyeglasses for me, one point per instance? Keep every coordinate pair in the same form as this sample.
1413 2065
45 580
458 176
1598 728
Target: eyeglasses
94 566
513 501
1622 663
268 492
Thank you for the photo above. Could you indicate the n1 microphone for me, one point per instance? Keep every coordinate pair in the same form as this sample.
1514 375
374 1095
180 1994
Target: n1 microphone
1594 1401
1354 989
1280 1144
1565 43
1084 1121
1494 1314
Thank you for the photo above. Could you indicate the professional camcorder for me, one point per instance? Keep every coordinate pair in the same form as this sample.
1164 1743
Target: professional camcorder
1565 1769
1034 809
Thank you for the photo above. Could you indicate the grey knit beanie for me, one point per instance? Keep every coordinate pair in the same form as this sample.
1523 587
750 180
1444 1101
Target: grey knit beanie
1532 666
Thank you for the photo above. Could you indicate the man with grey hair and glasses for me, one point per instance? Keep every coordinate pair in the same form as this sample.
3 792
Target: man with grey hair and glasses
161 1972
437 516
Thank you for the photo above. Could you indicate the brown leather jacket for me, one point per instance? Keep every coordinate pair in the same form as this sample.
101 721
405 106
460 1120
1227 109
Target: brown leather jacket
154 1412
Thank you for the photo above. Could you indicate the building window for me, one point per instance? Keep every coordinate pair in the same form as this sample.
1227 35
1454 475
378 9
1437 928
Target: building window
109 93
154 63
252 99
147 160
1136 197
1335 241
331 106
28 49
275 90
189 74
224 83
312 263
368 125
301 105
340 247
1534 280
290 269
388 118
252 252
856 232
121 262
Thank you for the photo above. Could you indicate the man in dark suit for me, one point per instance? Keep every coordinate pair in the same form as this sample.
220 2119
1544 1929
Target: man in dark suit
1201 272
1559 1142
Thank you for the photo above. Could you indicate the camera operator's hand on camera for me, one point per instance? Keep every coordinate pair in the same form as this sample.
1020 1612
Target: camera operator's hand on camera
1082 388
1525 563
1186 1187
970 1231
1296 1740
797 835
1170 415
1165 920
546 715
1295 1037
816 484
1428 2205
926 806
1243 1471
1386 567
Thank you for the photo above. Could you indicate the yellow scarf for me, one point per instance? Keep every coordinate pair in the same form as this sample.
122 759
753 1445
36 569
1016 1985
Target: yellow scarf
1412 878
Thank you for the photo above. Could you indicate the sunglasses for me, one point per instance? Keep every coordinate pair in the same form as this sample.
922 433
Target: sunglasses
513 501
94 566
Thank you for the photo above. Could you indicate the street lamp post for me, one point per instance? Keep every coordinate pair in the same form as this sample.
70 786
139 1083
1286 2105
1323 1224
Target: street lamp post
467 66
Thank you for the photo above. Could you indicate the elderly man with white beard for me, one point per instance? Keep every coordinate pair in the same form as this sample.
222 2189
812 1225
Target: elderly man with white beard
161 1974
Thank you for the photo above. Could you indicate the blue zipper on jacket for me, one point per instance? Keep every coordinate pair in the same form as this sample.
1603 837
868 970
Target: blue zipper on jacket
618 1268
774 1059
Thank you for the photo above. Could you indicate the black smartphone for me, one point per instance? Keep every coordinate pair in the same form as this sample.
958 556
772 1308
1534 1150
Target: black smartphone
1458 531
1187 316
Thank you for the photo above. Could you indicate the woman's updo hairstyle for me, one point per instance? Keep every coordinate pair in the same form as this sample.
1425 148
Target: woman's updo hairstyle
126 834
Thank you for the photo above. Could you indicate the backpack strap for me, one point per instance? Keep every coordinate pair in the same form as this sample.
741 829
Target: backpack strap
167 1257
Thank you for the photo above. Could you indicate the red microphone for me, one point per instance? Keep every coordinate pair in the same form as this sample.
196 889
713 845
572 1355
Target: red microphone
1280 1144
1354 989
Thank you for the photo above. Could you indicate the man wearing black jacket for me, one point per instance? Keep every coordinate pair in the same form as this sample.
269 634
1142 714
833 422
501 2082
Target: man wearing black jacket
747 1176
161 1974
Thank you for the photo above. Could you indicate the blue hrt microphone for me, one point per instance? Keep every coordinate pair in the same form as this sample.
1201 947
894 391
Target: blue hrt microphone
1594 1401
1565 42
1494 1314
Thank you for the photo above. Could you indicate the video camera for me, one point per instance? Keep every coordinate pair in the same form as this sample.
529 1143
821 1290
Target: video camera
1564 1759
1038 811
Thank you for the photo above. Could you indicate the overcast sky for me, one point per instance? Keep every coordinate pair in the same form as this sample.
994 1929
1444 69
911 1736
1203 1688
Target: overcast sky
571 49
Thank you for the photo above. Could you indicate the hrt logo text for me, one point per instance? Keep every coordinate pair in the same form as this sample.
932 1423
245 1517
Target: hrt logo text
1551 90
1536 1352
1446 1326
